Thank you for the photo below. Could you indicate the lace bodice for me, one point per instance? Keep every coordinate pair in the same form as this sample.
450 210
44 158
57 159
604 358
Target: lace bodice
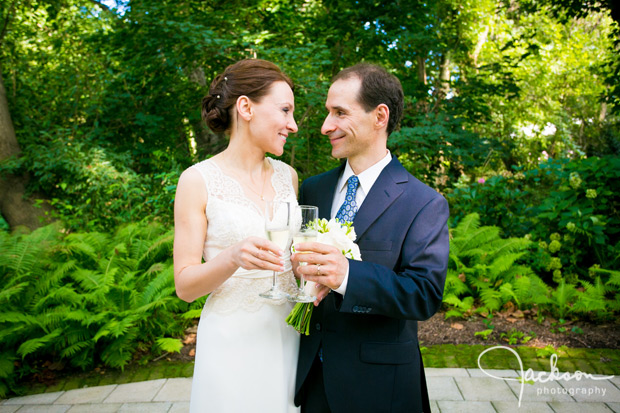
232 217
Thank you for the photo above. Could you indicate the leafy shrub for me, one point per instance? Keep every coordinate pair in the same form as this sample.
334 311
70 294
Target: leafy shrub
500 200
486 272
86 298
570 208
435 147
94 189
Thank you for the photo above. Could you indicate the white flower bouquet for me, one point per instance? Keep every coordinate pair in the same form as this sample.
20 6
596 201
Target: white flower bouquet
339 235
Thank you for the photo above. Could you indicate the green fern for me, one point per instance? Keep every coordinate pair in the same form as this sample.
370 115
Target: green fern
507 293
504 262
592 300
53 278
459 307
7 373
72 350
614 278
529 289
171 345
86 298
16 317
160 287
23 251
471 243
468 224
192 314
7 366
490 265
118 353
562 299
500 247
15 290
86 246
491 299
454 285
34 344
61 295
159 248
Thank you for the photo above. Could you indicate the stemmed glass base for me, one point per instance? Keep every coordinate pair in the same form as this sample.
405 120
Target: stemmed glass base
274 293
301 297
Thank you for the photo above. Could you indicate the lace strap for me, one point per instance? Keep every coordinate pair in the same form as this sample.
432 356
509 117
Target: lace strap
282 181
211 175
221 186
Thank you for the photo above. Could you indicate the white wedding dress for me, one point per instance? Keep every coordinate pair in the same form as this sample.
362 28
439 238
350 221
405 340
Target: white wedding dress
246 354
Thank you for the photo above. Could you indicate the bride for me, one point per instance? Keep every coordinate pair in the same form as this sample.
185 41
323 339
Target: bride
246 354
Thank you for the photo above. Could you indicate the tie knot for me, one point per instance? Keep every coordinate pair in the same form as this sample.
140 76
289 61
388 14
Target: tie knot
352 183
347 211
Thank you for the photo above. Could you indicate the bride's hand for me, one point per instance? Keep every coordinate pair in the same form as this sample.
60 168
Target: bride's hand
258 253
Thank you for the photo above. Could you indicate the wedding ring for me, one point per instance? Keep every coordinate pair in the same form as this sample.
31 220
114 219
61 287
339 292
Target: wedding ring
318 269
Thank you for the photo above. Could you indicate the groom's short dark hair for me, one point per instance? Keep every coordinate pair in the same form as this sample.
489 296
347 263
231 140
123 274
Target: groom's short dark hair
377 87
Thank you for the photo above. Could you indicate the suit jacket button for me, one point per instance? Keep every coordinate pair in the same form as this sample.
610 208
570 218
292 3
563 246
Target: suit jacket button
318 326
356 309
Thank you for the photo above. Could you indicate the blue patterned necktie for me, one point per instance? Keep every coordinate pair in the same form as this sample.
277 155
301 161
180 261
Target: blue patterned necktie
347 211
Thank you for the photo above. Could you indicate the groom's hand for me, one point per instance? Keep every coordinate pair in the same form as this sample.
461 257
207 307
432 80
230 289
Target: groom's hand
325 264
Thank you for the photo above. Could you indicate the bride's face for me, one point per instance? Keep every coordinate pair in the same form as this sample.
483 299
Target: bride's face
273 119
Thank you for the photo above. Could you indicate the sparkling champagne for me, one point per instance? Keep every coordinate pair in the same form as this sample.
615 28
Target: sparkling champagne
279 236
305 236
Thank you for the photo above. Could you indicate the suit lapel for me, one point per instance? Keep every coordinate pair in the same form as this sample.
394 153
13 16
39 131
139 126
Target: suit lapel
327 187
382 194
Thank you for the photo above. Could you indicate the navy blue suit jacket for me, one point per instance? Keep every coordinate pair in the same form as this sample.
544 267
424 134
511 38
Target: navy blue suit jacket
371 357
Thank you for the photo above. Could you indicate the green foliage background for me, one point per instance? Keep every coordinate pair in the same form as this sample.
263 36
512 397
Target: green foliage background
512 112
87 298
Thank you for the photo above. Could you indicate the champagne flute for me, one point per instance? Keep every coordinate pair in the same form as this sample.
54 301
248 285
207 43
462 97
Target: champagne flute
277 226
306 232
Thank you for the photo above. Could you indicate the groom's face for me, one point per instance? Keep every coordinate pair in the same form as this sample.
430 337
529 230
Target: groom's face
348 125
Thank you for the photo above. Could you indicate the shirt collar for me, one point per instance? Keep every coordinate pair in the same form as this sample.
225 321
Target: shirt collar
368 177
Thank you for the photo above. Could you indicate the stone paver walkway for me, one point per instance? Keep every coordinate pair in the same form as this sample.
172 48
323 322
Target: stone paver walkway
451 390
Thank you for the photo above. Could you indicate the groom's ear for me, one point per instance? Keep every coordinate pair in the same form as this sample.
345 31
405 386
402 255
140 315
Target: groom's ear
244 107
382 116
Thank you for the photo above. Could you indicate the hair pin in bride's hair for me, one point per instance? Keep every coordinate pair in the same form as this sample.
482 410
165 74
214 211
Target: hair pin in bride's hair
225 79
218 96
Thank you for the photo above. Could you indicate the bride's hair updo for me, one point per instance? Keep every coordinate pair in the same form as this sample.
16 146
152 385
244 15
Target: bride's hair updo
249 77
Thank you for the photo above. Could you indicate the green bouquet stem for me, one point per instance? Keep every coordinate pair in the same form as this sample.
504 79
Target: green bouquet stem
300 317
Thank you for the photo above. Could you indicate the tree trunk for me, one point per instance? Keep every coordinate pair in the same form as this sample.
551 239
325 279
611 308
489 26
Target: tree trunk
421 69
16 208
482 38
603 113
444 75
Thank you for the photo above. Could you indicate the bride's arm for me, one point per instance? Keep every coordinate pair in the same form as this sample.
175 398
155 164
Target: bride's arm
193 278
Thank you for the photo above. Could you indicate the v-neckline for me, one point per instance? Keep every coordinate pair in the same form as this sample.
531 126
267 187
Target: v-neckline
242 190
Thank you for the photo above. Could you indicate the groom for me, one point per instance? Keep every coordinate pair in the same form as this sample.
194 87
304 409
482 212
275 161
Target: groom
362 353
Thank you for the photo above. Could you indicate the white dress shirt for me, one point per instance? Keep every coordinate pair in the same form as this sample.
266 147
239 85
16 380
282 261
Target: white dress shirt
367 179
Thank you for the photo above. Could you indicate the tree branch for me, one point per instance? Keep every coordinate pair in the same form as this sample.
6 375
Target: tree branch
5 26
